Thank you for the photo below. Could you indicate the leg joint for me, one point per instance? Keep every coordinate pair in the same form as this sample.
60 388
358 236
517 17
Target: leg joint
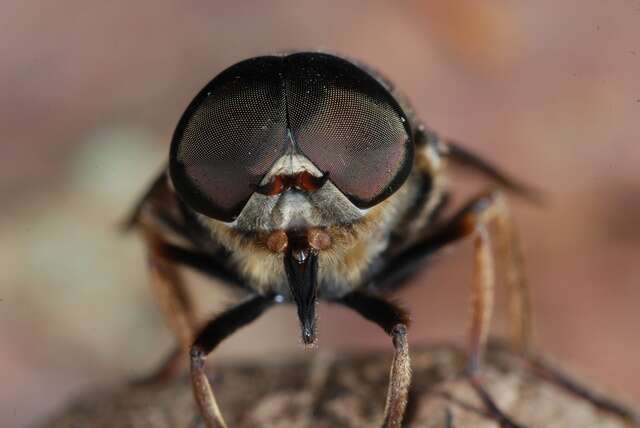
399 336
197 355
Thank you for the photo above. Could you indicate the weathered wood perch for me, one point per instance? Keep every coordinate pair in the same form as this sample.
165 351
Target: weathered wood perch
350 392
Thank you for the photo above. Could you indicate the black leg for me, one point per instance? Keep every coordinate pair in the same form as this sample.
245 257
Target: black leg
376 310
204 263
160 214
402 265
213 333
394 321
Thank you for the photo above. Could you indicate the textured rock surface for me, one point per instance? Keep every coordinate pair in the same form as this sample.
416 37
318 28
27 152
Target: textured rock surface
325 392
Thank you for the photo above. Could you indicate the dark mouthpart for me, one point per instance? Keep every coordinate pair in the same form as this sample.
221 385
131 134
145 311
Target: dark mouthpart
301 265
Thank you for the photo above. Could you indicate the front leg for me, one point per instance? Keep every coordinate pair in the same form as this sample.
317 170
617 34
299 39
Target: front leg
213 333
394 321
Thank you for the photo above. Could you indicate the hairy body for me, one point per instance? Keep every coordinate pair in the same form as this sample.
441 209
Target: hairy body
302 234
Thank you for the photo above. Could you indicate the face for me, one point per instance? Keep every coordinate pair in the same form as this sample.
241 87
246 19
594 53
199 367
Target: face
290 142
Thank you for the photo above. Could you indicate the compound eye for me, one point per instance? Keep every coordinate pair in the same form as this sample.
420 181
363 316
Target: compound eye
229 137
349 125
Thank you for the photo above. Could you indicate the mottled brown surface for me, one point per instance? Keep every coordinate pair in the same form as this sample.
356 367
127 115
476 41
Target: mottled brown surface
324 392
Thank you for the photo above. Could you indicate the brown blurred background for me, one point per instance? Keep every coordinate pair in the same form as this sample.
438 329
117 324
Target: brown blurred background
89 96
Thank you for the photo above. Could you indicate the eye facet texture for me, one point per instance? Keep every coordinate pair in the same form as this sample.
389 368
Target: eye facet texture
348 124
333 112
229 136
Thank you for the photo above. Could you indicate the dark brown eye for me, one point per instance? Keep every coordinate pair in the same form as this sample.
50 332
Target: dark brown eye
229 137
332 111
349 125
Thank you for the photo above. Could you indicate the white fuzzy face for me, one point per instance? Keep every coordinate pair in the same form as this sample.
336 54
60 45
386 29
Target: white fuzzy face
357 236
294 209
